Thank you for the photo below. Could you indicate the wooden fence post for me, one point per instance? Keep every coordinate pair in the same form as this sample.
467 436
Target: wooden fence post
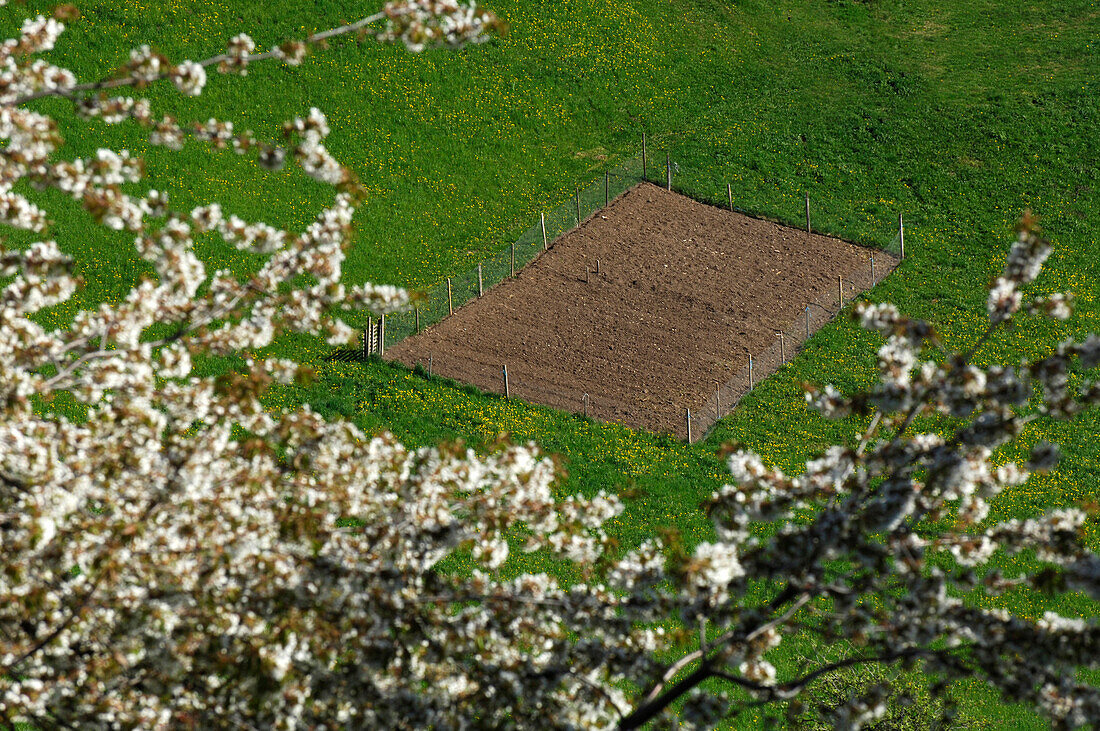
597 266
901 235
807 322
808 212
643 156
542 221
450 302
751 384
513 269
729 192
586 406
840 293
872 268
782 349
381 335
688 424
480 288
366 341
507 392
416 310
668 170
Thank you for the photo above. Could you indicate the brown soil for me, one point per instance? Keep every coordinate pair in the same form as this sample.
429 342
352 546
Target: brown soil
685 292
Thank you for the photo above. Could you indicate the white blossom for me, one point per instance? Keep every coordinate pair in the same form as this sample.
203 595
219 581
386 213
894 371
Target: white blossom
189 77
1004 299
144 64
881 318
719 565
185 555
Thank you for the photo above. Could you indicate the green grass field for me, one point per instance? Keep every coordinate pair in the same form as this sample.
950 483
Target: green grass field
958 115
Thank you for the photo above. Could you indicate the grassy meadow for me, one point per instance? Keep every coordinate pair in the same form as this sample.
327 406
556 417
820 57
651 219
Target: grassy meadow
958 115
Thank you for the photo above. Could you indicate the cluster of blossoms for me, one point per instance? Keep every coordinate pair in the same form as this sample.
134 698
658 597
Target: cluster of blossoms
1025 260
185 557
421 24
291 53
18 76
189 77
163 572
144 65
238 55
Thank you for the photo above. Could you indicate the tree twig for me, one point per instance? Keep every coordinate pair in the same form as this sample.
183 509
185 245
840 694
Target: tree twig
113 83
656 701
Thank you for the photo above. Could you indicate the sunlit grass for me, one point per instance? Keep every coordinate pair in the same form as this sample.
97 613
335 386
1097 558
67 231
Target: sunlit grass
957 115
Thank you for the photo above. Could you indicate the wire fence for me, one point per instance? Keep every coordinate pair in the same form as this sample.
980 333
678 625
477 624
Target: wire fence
647 166
453 292
700 420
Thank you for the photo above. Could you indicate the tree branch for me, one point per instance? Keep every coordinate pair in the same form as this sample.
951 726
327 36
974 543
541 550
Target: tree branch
14 483
598 688
965 360
110 83
655 702
76 610
867 435
795 686
79 607
58 380
790 689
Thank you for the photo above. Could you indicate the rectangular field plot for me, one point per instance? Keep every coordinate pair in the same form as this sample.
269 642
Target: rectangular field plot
684 294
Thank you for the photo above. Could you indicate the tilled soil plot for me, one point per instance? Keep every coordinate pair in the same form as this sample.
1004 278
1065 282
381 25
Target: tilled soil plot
685 292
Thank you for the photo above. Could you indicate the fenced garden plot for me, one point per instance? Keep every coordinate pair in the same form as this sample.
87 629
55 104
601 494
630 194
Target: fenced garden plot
637 314
689 411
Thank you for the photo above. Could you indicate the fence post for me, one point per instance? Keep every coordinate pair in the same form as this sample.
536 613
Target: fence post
689 424
782 350
381 335
542 221
901 235
513 259
450 302
366 342
808 212
480 288
606 188
507 392
807 322
597 266
873 268
416 310
643 156
578 206
729 192
668 170
751 384
586 406
840 293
